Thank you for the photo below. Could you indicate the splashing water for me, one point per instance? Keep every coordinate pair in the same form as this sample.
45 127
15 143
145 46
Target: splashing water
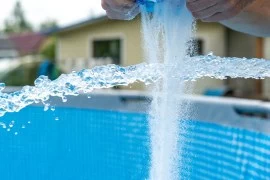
84 81
109 76
166 32
223 67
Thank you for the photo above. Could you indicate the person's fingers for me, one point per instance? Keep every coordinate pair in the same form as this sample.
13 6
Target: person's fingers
206 12
195 6
121 5
124 2
232 9
218 8
222 16
190 1
132 14
120 9
104 5
123 15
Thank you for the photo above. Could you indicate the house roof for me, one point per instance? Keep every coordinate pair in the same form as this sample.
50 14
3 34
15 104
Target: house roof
27 43
80 24
6 44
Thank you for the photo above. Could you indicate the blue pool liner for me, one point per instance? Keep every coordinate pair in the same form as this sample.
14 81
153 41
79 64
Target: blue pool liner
86 144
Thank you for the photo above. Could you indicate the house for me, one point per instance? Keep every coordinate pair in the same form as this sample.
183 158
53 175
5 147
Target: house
20 57
19 45
100 40
7 48
27 43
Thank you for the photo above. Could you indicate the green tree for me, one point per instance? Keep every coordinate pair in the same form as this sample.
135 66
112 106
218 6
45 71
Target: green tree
17 21
48 24
48 48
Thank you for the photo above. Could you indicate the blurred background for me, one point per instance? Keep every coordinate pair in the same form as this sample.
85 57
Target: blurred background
50 38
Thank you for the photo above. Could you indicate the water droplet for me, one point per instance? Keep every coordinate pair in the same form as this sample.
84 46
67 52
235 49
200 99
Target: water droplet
46 107
23 126
89 97
11 124
8 129
29 122
56 118
3 125
16 133
64 99
2 86
52 108
210 53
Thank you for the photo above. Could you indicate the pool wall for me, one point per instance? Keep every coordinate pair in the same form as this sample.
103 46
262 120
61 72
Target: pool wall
107 137
241 113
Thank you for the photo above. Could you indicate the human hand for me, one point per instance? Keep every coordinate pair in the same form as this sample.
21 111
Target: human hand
216 10
120 9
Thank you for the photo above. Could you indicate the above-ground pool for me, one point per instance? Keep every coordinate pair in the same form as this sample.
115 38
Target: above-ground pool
107 137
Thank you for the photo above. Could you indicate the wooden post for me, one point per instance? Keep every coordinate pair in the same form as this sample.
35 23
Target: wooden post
259 54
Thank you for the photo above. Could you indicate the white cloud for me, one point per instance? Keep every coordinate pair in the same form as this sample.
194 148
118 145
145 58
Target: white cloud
64 11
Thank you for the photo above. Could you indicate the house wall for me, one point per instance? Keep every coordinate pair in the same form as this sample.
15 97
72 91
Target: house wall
243 45
9 53
76 44
214 40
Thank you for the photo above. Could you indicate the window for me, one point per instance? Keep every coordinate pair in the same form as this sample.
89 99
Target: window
108 49
195 48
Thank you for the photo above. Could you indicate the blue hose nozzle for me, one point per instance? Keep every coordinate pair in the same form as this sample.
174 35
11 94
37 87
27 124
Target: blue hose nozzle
149 4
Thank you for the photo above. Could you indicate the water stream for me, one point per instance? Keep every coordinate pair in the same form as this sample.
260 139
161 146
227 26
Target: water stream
101 77
166 33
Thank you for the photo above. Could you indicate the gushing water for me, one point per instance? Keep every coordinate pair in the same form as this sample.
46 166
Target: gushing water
109 76
166 32
74 83
223 67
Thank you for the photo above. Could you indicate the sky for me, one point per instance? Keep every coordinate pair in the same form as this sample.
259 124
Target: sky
64 11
